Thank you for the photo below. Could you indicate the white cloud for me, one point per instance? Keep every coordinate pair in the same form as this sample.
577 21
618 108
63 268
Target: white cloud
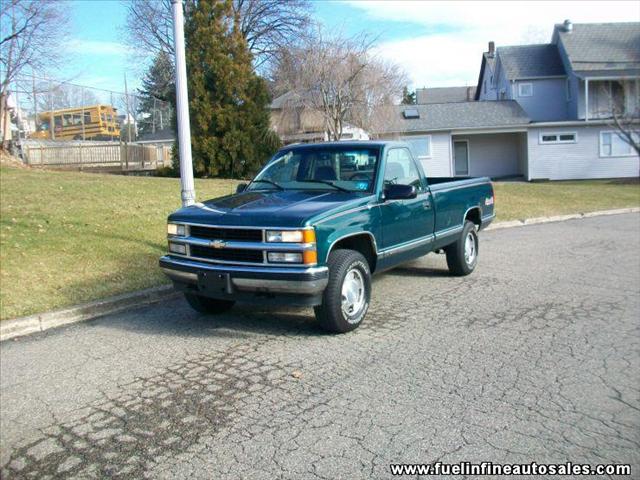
96 47
452 55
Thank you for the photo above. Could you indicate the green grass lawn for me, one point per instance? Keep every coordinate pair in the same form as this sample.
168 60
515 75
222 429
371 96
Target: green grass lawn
69 237
519 200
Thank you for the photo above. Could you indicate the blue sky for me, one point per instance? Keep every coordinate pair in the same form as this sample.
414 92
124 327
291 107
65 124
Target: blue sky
436 43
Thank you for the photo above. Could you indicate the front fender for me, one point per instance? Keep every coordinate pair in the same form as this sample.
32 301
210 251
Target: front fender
364 220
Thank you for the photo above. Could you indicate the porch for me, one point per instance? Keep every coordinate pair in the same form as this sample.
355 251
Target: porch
495 155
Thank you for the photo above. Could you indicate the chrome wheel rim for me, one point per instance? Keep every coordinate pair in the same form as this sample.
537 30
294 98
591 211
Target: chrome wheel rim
353 293
470 250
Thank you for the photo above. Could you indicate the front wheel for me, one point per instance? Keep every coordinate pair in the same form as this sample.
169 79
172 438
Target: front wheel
462 256
208 305
346 299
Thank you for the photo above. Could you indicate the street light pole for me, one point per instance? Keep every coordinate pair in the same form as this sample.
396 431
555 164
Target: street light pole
182 108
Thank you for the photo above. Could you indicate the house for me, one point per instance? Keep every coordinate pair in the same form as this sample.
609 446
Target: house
296 123
538 111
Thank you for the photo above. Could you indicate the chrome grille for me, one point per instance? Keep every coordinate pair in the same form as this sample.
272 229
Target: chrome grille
227 254
217 233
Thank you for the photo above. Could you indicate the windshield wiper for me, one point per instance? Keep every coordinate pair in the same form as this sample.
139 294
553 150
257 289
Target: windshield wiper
271 182
326 182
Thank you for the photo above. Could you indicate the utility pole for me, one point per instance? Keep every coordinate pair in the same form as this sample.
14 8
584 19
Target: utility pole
126 95
35 103
182 108
52 127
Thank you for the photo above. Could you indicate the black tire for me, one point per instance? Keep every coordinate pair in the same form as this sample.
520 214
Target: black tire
208 305
457 261
330 314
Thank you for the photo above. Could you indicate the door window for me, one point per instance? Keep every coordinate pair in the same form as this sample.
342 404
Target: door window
401 169
461 157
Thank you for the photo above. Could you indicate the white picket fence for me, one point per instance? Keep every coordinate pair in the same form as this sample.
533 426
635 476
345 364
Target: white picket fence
116 156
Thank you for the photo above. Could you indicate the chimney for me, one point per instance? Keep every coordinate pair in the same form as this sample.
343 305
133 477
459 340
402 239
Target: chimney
492 48
567 26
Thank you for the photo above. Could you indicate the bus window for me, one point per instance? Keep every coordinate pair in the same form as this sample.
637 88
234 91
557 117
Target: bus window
87 117
103 117
58 121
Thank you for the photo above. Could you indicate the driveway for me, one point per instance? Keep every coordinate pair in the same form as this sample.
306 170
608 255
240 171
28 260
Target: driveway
534 357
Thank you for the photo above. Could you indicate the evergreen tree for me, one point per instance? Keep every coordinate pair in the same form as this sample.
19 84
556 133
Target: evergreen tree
230 123
156 95
408 97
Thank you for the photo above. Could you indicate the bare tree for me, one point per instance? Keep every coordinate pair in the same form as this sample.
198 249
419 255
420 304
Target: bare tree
625 112
63 95
29 37
267 25
342 79
623 109
628 128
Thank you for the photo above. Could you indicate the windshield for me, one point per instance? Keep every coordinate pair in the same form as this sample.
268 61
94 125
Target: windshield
334 168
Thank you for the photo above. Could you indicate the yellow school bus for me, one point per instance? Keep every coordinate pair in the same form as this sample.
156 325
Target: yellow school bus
97 122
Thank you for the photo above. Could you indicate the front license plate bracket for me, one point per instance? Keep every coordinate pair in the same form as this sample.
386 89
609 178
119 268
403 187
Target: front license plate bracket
214 283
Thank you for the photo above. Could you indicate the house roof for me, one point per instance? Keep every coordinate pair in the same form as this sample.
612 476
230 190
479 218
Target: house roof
600 48
444 94
530 61
488 60
459 115
282 100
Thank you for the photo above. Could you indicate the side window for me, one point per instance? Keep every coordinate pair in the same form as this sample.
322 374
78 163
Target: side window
401 169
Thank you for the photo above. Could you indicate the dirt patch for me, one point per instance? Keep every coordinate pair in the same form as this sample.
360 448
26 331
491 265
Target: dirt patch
10 160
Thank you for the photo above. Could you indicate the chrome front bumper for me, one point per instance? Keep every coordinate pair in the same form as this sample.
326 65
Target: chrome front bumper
257 279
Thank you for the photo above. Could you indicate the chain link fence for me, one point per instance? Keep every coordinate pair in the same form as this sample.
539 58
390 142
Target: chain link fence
44 109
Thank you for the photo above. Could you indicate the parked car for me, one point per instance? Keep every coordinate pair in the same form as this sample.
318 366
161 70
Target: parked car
315 224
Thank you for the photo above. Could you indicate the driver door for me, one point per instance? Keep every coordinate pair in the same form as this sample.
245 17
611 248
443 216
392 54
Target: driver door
407 225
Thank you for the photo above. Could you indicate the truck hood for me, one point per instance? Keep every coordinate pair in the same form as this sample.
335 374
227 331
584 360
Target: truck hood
287 208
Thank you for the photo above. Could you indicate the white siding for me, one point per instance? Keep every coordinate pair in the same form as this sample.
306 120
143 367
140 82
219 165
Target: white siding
576 160
439 165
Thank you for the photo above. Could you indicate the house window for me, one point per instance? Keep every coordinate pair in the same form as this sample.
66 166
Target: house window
525 89
613 145
420 146
558 137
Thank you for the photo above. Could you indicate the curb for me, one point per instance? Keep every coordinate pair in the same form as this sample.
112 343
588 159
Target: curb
40 322
558 218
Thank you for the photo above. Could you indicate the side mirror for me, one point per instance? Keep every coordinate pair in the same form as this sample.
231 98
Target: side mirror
400 192
241 187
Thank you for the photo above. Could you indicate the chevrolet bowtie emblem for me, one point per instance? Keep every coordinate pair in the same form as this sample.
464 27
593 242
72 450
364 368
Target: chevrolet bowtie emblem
217 244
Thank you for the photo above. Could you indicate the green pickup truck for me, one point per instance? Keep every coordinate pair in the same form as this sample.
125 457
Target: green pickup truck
315 224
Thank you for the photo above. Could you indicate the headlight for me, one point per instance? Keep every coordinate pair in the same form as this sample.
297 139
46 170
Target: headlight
176 229
291 236
284 257
180 248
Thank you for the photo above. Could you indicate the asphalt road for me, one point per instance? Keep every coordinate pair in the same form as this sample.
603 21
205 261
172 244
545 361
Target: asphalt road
534 357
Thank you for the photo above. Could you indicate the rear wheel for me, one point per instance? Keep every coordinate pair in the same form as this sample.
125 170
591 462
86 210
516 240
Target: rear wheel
462 256
346 299
208 305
